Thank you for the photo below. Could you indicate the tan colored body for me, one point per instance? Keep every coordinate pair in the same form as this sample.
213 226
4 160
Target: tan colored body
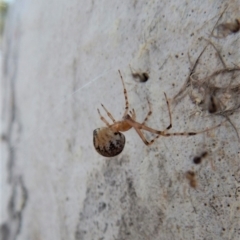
109 141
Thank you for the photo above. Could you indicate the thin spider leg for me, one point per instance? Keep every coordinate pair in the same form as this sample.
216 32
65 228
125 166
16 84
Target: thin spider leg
144 139
125 95
169 112
149 112
103 119
139 126
192 133
171 134
133 114
108 113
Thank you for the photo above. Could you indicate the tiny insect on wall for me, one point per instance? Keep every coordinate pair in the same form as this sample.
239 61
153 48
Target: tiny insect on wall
109 141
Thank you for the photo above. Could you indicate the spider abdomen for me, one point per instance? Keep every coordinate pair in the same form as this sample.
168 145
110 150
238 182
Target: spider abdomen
107 142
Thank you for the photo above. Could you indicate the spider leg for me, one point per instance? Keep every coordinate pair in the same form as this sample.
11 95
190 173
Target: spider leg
144 139
125 95
149 112
108 113
169 112
191 133
133 113
103 119
138 126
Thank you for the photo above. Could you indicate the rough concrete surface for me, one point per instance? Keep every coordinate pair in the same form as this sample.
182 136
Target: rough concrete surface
60 62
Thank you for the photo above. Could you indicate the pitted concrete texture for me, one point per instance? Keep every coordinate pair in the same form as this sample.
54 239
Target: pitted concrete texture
60 63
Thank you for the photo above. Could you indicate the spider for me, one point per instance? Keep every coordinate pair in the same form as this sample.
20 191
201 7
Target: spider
109 141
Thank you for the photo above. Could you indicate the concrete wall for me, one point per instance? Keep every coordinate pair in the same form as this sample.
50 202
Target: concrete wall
60 62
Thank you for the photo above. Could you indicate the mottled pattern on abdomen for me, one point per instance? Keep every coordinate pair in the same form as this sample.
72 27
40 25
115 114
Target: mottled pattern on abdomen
108 143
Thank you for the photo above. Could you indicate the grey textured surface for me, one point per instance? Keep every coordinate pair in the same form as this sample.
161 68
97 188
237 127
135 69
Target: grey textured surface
60 62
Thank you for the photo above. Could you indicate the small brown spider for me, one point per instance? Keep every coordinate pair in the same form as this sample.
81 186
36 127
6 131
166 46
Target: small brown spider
109 141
